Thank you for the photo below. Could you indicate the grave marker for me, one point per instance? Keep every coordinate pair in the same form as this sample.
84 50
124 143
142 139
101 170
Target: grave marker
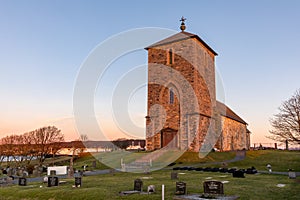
78 181
174 175
213 187
238 174
292 174
180 188
138 185
151 189
52 172
22 181
94 164
52 181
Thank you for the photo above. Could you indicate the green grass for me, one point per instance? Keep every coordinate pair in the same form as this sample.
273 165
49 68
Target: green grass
262 186
88 160
279 160
193 158
108 186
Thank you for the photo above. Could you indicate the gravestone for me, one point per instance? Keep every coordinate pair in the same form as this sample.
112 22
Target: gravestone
45 179
174 175
180 188
78 181
80 173
213 187
292 174
35 172
40 171
223 170
238 174
52 181
22 181
251 170
52 172
94 164
20 172
9 171
138 185
14 171
146 170
151 189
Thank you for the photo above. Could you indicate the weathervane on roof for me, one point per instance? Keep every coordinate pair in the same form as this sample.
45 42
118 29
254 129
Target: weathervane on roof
182 27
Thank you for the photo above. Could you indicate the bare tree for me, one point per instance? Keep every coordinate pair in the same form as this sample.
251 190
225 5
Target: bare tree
29 146
9 147
38 143
286 124
46 140
2 156
14 148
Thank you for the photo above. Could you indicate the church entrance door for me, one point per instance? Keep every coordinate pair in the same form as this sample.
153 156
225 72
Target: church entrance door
169 137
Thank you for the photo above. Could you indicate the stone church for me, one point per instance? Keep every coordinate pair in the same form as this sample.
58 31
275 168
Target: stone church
182 110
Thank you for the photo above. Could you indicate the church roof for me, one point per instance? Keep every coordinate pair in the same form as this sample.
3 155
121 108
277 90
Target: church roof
227 112
178 37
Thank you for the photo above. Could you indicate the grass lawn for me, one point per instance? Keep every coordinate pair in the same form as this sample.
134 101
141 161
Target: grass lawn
261 186
108 186
279 159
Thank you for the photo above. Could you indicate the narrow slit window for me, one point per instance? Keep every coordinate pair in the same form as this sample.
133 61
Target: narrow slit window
170 56
171 96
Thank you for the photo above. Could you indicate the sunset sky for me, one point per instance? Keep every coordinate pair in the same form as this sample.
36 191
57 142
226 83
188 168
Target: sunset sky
44 43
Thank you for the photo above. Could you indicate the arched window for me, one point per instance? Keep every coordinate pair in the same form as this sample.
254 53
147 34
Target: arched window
171 96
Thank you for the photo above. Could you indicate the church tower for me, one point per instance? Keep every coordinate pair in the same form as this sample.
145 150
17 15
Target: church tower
181 92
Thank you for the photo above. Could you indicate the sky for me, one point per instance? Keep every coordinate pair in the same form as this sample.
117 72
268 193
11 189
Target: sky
43 45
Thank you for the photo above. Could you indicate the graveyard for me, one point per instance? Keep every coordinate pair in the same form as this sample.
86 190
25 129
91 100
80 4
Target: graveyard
261 185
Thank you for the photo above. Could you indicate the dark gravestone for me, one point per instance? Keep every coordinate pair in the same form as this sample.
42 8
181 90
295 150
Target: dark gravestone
174 175
207 169
22 181
251 170
215 169
213 187
238 174
180 188
80 173
78 181
223 170
138 185
231 170
52 172
199 169
191 168
52 181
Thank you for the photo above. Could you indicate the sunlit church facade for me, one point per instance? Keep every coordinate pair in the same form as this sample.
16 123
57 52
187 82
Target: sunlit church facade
182 110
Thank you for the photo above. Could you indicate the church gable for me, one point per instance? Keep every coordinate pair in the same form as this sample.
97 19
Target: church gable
180 37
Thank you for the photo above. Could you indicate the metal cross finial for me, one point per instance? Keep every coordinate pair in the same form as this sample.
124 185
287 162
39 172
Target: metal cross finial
182 19
182 27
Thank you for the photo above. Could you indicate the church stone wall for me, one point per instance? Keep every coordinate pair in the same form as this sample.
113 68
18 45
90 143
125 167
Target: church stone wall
234 135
